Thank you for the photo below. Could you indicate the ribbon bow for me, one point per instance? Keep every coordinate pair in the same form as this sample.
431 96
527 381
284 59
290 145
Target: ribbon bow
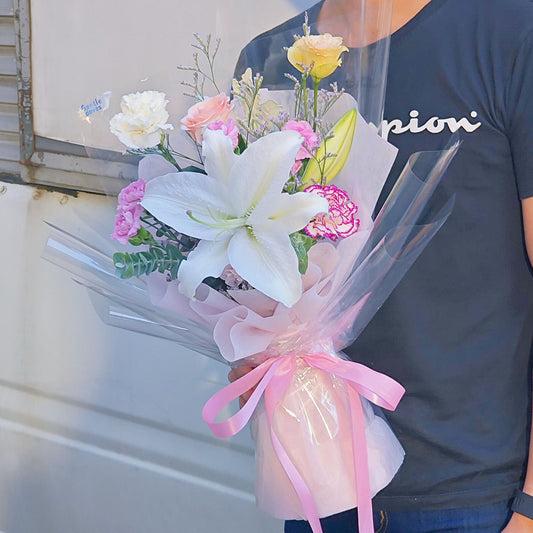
272 378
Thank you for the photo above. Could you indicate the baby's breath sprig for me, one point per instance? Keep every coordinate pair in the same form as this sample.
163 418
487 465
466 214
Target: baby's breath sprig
207 52
329 98
246 91
282 119
303 101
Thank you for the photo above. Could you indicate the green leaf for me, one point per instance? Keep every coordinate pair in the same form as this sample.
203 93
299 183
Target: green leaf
166 259
173 260
192 168
241 146
143 236
123 264
302 244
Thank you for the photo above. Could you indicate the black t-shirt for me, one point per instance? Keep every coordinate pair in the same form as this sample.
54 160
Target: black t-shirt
457 331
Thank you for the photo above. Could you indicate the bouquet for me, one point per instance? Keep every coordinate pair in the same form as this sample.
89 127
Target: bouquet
263 250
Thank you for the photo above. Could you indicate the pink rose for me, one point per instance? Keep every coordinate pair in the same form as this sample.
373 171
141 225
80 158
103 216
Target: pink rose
340 221
228 128
131 195
127 223
310 141
200 115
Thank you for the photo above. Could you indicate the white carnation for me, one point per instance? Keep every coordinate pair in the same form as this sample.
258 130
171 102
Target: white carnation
143 117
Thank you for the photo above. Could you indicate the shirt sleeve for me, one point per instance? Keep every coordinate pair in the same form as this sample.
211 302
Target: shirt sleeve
520 107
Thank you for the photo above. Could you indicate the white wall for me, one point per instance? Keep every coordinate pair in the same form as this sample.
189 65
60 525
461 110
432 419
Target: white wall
125 46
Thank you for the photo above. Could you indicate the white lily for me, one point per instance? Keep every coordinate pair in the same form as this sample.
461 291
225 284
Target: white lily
239 212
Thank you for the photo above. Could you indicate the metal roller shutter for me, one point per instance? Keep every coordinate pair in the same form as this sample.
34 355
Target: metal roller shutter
9 120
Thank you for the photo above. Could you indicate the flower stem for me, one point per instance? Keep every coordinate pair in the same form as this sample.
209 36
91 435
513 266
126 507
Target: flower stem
315 103
169 234
166 153
304 96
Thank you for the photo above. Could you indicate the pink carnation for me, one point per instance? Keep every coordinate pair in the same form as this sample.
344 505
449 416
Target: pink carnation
340 221
228 128
132 195
296 167
127 223
309 144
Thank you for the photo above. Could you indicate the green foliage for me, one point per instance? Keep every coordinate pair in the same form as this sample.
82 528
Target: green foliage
302 244
192 168
143 236
241 146
161 258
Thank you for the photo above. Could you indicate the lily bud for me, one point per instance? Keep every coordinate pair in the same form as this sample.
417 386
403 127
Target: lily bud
338 142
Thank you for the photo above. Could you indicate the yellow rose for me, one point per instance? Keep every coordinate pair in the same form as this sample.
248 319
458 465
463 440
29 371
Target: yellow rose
322 51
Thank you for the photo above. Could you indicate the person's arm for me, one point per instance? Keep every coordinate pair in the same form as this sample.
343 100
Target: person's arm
518 522
527 213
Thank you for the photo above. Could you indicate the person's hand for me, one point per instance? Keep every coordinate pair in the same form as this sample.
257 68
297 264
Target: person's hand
519 524
238 372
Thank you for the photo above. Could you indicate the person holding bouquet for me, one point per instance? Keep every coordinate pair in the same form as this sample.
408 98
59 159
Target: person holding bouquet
457 332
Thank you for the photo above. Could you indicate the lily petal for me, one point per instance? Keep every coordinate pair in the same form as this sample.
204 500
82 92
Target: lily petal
217 150
267 261
169 198
209 258
262 169
293 211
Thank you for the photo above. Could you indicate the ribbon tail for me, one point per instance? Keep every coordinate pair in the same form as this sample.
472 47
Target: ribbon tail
300 486
273 395
360 456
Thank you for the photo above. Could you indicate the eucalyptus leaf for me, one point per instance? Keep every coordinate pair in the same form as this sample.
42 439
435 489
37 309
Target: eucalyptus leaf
302 244
163 260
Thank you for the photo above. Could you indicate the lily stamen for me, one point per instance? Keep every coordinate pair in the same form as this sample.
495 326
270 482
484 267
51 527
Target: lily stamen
225 224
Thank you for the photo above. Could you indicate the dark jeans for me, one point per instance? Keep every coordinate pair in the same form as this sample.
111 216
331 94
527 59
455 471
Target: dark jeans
490 518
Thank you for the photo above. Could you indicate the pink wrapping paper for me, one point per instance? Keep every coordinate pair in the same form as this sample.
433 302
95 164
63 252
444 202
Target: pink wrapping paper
313 419
315 431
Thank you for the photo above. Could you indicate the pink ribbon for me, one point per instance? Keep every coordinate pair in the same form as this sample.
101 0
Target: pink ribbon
272 378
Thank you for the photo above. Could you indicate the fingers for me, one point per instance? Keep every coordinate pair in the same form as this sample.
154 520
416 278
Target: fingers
239 372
